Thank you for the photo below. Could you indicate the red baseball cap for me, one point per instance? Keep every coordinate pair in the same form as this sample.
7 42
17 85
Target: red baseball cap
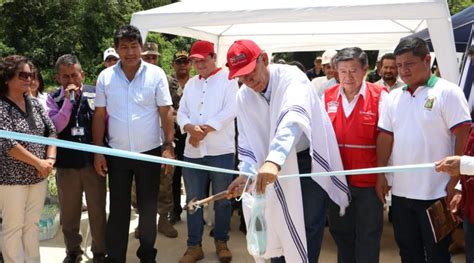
201 49
242 57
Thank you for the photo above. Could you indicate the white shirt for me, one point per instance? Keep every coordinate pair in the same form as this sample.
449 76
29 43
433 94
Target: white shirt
132 106
348 107
421 125
210 101
467 165
42 98
398 84
323 83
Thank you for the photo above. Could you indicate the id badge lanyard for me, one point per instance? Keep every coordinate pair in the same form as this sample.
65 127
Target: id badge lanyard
77 130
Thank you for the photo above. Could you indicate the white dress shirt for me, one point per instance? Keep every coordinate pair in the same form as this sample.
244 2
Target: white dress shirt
212 102
132 106
348 107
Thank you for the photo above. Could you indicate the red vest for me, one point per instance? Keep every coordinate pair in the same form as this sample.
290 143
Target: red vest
357 134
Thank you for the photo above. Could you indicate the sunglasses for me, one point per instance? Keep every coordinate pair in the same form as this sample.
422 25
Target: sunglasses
25 75
182 61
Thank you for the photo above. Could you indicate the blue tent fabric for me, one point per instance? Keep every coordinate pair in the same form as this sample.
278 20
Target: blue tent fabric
463 25
467 86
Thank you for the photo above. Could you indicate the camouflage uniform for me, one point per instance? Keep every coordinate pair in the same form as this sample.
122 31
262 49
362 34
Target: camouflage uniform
165 195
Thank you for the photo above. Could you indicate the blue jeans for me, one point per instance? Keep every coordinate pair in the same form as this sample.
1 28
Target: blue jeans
357 234
469 239
413 233
196 183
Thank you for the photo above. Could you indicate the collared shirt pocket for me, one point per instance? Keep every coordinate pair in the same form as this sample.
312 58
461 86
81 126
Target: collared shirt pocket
145 96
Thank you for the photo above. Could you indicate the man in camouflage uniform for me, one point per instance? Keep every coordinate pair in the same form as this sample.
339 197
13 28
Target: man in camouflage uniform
182 67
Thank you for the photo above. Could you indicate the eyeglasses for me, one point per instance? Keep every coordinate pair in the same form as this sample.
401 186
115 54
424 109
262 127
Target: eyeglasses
181 61
25 75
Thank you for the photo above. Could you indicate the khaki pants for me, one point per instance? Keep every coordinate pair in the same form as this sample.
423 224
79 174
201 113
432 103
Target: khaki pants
165 194
71 184
21 207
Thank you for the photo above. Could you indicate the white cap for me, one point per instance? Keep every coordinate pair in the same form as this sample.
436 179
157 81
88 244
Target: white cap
327 56
110 52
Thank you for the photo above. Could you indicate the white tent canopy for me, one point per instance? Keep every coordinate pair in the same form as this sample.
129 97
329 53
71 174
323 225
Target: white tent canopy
307 25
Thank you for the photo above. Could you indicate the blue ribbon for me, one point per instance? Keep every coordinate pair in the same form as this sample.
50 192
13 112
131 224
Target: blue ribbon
376 170
161 160
109 151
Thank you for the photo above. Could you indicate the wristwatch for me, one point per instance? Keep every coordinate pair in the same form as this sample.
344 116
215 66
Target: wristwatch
171 145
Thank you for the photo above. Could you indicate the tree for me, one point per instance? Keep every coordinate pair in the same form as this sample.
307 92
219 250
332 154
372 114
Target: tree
43 30
100 20
149 4
456 6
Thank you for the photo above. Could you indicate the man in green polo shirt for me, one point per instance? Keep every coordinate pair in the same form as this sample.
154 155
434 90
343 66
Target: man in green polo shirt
422 122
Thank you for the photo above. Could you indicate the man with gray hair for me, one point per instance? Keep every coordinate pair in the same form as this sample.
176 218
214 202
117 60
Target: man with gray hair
353 107
71 108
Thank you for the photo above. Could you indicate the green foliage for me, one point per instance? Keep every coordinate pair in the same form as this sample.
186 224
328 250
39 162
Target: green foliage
149 4
167 49
455 6
183 43
5 50
43 30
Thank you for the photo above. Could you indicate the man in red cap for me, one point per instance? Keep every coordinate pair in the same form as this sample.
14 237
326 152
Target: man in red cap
206 113
283 129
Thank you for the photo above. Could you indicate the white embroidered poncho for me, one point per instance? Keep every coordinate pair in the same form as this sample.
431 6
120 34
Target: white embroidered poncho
292 100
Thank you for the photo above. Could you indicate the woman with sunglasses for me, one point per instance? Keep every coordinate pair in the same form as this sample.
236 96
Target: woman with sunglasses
37 87
24 166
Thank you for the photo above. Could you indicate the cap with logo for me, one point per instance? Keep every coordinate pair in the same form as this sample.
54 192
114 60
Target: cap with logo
110 52
201 49
242 57
327 56
181 54
150 48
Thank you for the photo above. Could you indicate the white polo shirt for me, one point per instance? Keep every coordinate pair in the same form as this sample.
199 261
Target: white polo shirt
422 125
132 106
210 101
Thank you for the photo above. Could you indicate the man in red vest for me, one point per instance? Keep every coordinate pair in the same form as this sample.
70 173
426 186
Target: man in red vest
353 107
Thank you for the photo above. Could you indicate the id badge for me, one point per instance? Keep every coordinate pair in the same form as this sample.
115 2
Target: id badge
77 131
332 106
